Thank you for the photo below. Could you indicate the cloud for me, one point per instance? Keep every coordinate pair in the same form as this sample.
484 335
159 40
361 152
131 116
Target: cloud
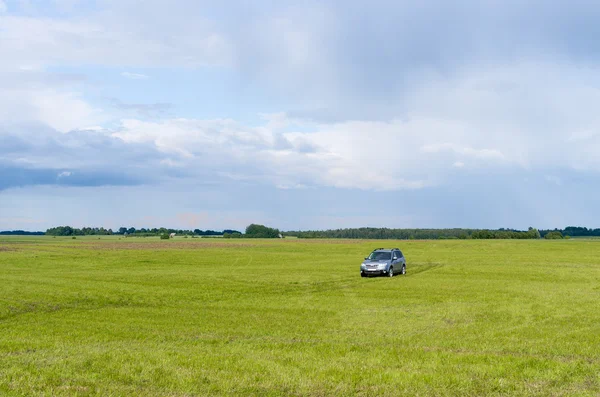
111 37
473 117
338 72
134 76
480 116
394 97
3 7
33 154
51 99
490 200
13 177
483 154
144 110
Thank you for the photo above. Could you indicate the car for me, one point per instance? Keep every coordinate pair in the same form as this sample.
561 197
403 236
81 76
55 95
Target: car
384 262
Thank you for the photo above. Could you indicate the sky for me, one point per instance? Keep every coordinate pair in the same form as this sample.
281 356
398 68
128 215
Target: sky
299 115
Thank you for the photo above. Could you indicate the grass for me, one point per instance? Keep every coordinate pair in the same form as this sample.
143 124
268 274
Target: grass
186 317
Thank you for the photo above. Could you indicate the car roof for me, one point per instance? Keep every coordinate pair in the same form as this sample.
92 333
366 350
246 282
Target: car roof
386 249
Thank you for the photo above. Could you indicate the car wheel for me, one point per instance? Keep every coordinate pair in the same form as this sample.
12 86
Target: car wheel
363 275
391 272
403 271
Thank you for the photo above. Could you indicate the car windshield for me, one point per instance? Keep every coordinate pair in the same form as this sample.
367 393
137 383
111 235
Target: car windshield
378 256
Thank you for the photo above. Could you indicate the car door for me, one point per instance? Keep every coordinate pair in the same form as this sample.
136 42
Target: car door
401 259
398 261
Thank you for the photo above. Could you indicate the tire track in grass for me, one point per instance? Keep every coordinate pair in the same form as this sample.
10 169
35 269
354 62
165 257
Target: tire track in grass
422 268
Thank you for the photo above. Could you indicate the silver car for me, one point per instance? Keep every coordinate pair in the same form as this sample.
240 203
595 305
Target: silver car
384 262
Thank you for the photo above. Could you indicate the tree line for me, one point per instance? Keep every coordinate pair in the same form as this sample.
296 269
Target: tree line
252 231
131 231
442 234
372 233
20 233
261 231
573 231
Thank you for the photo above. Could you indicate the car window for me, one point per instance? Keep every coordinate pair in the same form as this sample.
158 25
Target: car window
378 255
400 254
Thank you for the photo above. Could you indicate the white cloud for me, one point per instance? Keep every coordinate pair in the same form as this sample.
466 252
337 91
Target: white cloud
483 154
467 120
448 121
109 39
65 174
61 110
134 76
363 155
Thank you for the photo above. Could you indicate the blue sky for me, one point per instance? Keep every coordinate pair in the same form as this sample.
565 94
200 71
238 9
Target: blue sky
299 115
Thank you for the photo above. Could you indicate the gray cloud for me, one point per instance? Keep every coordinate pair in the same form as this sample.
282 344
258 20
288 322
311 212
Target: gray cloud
345 60
13 177
487 199
36 155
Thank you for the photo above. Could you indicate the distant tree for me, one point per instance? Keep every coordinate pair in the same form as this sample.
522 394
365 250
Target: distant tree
556 235
60 231
415 234
261 231
20 233
482 234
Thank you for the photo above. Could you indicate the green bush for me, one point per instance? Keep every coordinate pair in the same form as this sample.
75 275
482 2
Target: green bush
260 231
164 236
556 235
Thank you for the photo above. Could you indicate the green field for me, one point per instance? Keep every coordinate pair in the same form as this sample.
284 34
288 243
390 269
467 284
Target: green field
190 317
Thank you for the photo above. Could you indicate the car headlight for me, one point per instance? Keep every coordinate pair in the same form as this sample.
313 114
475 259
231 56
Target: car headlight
382 265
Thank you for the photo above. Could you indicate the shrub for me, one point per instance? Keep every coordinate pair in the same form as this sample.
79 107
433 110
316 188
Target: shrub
556 235
260 231
164 236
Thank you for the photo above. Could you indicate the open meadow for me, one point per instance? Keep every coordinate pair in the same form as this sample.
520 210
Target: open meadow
186 317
